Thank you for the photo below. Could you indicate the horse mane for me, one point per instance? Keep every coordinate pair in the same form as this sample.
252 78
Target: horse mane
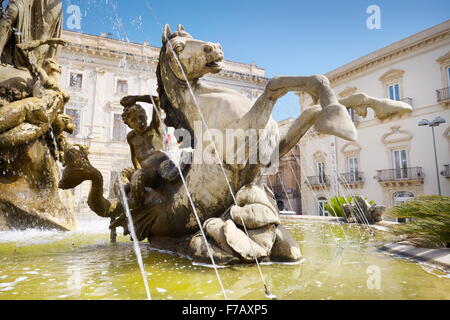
174 117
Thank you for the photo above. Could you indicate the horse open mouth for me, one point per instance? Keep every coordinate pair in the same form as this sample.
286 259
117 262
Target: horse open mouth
214 64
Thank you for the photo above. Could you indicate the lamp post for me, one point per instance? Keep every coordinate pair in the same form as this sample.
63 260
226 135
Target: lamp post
435 123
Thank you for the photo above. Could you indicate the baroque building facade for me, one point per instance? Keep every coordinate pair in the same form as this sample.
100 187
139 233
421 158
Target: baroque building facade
393 160
98 71
284 181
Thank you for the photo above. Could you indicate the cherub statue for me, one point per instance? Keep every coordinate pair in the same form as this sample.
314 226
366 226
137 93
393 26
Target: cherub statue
146 143
28 119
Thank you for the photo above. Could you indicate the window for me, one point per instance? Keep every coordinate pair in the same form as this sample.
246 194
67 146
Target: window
443 93
353 169
401 197
119 128
448 76
392 81
76 80
321 211
394 92
448 81
122 87
400 164
75 114
353 115
321 172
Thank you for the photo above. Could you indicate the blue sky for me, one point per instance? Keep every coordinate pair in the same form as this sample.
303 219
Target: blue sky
286 37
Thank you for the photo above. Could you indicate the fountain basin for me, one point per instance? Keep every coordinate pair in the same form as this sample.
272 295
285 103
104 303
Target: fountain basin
84 265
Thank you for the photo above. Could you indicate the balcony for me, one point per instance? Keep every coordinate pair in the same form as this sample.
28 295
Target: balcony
318 182
400 177
443 95
408 100
446 172
352 180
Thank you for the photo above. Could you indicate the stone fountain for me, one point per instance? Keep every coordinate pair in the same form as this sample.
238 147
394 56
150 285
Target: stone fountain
167 197
241 226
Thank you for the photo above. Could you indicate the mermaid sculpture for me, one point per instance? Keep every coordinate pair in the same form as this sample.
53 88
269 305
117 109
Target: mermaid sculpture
32 123
31 141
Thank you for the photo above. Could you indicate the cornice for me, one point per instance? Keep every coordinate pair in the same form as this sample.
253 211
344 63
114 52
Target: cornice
443 59
101 51
114 105
393 74
401 136
319 156
447 133
347 91
390 53
351 148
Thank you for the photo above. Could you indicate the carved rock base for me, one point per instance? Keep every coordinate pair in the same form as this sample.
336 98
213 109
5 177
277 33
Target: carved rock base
29 195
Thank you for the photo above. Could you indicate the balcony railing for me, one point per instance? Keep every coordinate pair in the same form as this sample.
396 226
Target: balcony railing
408 100
351 177
315 181
446 172
403 174
443 94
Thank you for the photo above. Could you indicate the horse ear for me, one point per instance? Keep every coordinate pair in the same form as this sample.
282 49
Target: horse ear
181 28
167 33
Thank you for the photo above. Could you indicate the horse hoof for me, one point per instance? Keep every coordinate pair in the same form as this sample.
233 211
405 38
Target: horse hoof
335 120
285 247
254 216
248 249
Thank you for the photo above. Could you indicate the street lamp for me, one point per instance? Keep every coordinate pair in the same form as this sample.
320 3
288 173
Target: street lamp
435 123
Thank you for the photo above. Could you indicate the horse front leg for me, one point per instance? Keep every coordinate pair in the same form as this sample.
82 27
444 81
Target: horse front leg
334 118
383 108
298 129
360 102
258 116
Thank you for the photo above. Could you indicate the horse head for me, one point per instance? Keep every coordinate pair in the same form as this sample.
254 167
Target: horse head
195 56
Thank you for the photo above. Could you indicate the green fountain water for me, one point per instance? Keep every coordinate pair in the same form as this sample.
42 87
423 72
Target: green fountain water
84 265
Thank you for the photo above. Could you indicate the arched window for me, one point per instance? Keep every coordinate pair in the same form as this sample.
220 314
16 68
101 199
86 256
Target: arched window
392 81
401 197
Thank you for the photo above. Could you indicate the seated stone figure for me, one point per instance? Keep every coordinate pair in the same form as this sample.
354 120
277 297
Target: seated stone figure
145 146
28 119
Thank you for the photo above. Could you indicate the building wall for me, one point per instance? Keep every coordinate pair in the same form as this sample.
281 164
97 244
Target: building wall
285 181
418 64
102 62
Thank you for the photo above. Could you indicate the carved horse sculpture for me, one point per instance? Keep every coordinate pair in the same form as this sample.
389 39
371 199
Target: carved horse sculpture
172 225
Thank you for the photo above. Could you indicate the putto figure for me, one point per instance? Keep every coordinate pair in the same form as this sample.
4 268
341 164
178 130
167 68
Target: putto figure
146 145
